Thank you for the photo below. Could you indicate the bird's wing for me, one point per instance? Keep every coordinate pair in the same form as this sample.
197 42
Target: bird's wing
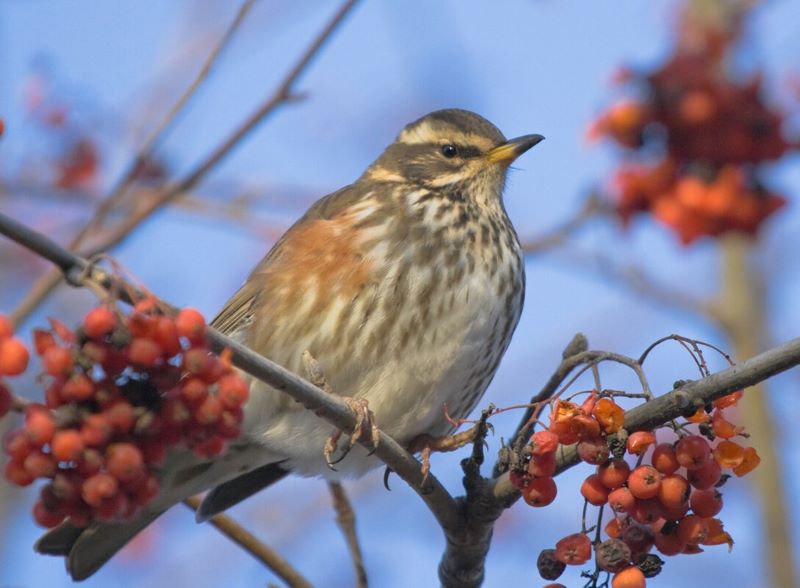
237 314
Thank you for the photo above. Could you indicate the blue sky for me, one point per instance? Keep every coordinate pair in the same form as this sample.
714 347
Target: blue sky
527 65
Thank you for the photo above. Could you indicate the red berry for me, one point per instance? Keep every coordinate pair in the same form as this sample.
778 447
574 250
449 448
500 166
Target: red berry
232 390
120 414
644 482
692 452
211 447
16 473
99 322
191 325
77 388
166 335
540 491
58 361
594 451
594 491
585 427
706 476
706 503
664 459
646 511
194 390
544 443
67 445
45 517
39 465
574 549
639 538
98 488
669 543
96 430
542 467
614 473
90 463
609 414
124 461
39 425
17 445
144 352
14 356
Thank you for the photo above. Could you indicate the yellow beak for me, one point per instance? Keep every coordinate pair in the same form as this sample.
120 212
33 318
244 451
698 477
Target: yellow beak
510 150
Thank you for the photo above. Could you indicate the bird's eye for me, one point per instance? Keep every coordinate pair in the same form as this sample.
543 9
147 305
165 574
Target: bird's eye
449 151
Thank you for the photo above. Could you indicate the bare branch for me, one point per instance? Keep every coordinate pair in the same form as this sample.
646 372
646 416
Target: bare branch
250 543
282 95
346 519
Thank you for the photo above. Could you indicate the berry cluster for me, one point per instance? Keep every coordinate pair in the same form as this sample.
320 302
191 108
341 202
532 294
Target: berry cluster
709 132
666 499
120 391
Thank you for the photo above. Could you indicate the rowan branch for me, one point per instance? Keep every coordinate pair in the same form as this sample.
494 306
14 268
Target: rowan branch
250 543
79 272
489 498
346 519
282 95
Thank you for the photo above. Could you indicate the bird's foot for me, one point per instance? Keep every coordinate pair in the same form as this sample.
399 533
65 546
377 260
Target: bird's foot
425 445
365 430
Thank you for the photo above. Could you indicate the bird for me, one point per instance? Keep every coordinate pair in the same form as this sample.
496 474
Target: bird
405 287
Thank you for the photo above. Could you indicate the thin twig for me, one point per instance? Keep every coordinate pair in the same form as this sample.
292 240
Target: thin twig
250 543
346 519
282 95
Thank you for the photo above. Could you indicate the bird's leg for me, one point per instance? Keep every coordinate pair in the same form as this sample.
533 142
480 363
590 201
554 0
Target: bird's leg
426 444
365 427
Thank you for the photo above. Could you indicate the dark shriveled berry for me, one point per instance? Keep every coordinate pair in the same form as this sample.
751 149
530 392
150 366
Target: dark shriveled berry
549 567
612 555
650 565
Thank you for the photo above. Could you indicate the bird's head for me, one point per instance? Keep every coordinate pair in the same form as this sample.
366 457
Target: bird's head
449 147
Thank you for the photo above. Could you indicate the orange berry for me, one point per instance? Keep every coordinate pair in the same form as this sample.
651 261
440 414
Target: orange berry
722 427
664 459
750 462
544 443
674 491
16 473
729 454
731 399
594 491
621 500
14 356
57 360
232 390
144 352
609 415
614 473
77 388
717 534
574 549
209 411
631 577
639 441
191 325
98 488
613 528
644 482
540 491
669 543
39 425
542 467
697 107
166 335
124 461
99 322
67 445
646 511
693 529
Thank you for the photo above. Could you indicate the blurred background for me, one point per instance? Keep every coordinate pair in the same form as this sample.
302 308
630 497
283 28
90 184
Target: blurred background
663 201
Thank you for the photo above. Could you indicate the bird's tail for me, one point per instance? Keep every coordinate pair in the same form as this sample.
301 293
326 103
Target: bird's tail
87 549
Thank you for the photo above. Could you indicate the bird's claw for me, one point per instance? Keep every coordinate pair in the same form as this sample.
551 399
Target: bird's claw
365 429
425 445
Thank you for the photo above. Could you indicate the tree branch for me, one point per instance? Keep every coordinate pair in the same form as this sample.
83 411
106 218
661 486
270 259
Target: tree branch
282 95
346 519
250 543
